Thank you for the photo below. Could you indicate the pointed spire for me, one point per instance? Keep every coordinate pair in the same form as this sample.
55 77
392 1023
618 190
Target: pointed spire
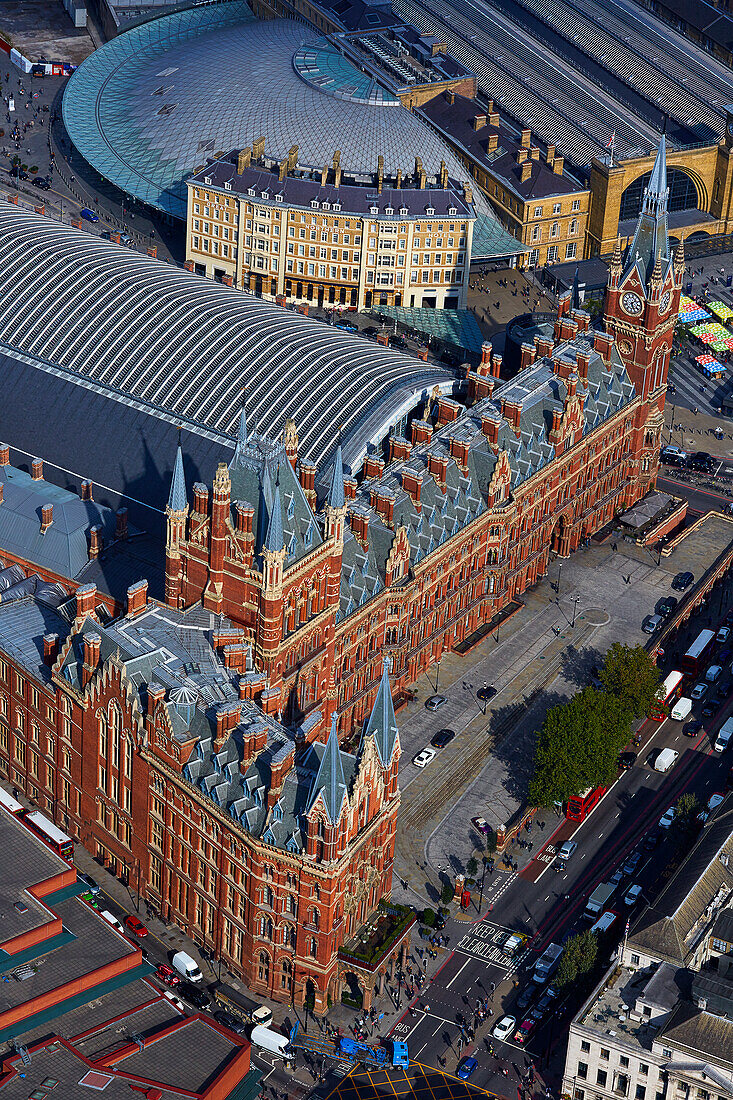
679 256
336 498
177 498
330 780
274 539
382 724
617 257
657 272
655 195
575 290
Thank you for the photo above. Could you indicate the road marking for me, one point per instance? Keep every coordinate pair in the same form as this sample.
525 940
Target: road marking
450 983
436 1030
422 1048
547 898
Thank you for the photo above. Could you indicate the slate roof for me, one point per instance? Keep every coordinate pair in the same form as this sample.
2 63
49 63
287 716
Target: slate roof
651 242
177 499
28 610
706 1037
64 547
445 511
174 649
667 929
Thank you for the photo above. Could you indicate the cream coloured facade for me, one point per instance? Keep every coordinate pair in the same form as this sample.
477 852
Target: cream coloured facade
300 240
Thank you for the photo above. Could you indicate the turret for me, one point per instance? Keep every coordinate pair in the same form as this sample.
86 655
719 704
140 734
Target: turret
176 512
221 504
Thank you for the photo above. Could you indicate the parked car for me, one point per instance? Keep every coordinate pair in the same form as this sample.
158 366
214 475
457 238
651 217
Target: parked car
136 926
39 181
667 605
89 882
466 1067
526 996
481 824
673 456
712 804
228 1019
424 758
652 623
88 215
701 460
632 862
632 895
486 693
525 1029
435 701
504 1027
442 738
651 840
617 877
168 975
723 634
698 691
683 581
194 995
667 818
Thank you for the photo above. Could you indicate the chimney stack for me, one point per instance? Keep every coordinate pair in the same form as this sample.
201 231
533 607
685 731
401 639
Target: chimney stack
86 600
4 454
46 517
121 524
95 541
86 490
92 646
37 469
50 649
137 599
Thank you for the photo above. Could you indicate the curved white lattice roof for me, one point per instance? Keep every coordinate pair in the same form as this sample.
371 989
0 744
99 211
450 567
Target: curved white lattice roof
185 344
153 103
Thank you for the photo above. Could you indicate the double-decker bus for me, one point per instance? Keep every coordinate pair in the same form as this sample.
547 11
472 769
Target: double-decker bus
667 695
698 652
10 804
580 805
47 831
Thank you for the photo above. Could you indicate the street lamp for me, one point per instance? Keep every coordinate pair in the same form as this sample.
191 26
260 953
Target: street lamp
575 601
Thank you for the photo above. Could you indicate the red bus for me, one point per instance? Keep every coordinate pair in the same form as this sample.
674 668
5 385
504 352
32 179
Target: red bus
580 805
10 804
47 831
698 651
667 695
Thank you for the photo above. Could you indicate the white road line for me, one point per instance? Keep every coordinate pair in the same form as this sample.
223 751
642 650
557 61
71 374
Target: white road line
436 1030
422 1048
450 983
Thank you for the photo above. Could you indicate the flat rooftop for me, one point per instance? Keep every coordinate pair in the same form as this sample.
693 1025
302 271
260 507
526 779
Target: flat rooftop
192 1056
699 547
26 862
612 1008
39 28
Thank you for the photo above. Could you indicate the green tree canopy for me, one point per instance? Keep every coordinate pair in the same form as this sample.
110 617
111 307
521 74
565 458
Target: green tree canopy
578 958
685 823
472 866
578 746
632 676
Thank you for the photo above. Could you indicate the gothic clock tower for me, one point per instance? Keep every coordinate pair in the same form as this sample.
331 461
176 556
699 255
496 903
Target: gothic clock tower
642 303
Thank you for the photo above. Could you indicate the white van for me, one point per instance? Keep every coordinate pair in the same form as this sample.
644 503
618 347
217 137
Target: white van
187 967
713 673
666 760
604 923
111 919
652 623
681 709
271 1041
724 735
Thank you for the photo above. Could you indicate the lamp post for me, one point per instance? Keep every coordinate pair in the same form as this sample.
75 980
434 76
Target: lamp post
576 601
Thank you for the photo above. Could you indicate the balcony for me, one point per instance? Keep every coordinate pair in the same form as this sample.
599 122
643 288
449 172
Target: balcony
377 940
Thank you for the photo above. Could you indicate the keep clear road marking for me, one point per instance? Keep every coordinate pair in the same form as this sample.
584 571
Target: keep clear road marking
450 983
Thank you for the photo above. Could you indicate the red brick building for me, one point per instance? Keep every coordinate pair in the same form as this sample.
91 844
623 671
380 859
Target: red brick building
194 747
451 521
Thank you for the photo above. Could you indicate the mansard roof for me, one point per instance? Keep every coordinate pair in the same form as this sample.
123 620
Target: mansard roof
447 509
175 651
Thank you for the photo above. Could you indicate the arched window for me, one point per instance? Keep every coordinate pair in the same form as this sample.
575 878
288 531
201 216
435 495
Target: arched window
286 974
315 918
267 896
289 903
115 729
263 968
313 948
682 194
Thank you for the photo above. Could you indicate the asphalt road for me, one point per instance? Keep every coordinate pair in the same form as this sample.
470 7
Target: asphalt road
699 500
547 906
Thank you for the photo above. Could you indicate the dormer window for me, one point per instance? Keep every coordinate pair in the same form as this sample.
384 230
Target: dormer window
337 206
452 211
389 210
403 211
314 203
228 185
373 209
279 198
429 210
251 191
325 205
207 180
264 194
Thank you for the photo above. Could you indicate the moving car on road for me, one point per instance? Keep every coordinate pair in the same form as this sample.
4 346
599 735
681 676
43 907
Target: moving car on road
424 758
466 1067
486 693
88 215
168 975
504 1027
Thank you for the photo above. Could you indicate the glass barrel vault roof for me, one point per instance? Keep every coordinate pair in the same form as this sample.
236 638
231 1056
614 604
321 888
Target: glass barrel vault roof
188 345
153 103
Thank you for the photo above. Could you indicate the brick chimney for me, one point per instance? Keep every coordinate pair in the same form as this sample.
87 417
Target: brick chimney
438 467
484 366
493 143
46 517
156 694
2 491
359 523
521 154
245 515
373 466
512 412
385 505
478 122
545 346
137 599
572 384
227 719
550 153
527 356
95 541
50 649
582 359
602 343
421 431
459 452
37 469
87 490
398 448
86 599
92 645
270 703
526 138
558 165
448 410
350 486
526 171
568 328
4 454
121 523
490 428
200 498
412 484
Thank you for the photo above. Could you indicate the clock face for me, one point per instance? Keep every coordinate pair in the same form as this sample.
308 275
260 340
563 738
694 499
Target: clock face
625 347
632 304
664 303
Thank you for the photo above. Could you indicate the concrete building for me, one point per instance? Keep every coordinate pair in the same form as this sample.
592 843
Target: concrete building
329 238
660 1024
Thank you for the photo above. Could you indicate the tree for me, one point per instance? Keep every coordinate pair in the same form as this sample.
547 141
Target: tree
578 746
685 821
446 894
632 676
472 867
578 958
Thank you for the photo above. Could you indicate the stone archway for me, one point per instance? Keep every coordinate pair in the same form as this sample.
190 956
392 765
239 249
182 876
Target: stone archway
352 993
560 540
